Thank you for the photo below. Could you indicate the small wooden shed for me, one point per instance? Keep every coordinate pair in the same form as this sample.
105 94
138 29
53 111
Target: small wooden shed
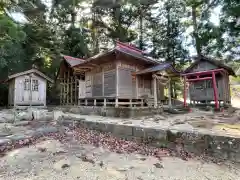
208 80
28 88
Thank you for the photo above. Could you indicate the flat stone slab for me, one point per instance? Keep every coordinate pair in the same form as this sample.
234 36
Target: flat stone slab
4 142
43 131
18 137
2 134
22 123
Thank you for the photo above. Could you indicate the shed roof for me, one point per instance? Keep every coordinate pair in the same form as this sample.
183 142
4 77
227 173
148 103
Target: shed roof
159 67
215 62
72 61
28 72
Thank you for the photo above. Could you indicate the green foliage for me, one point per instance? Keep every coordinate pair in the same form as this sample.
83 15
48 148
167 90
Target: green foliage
82 28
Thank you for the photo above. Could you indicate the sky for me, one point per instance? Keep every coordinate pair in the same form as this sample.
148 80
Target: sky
214 18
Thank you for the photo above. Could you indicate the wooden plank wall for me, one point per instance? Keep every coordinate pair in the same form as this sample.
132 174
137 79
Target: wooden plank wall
109 83
101 81
145 86
127 81
125 87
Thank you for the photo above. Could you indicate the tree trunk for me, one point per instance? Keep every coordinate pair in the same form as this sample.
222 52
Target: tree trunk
141 28
73 14
195 30
168 33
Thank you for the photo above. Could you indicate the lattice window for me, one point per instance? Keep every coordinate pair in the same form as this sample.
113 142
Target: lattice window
35 85
209 84
27 84
198 85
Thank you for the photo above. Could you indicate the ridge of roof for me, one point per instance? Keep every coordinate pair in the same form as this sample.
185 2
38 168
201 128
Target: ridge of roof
28 72
212 61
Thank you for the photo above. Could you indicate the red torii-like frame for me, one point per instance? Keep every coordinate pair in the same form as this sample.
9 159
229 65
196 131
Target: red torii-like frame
213 78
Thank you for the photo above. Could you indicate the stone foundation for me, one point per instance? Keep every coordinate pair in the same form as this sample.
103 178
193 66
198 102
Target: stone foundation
220 147
122 112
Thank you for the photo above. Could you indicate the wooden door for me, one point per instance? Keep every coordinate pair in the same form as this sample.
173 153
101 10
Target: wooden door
82 89
26 89
35 90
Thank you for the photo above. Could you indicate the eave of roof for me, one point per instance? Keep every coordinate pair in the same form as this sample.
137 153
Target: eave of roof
212 61
72 61
28 72
159 67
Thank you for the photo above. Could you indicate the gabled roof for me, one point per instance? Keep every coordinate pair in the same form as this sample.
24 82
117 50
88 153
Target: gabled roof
72 61
159 67
125 49
217 63
29 72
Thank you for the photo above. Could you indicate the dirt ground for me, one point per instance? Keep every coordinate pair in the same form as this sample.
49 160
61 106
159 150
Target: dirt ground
53 160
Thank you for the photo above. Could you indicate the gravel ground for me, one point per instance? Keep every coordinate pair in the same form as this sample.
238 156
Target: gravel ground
53 160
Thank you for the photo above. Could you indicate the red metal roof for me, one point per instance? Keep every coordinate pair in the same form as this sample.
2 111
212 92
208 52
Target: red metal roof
128 46
72 61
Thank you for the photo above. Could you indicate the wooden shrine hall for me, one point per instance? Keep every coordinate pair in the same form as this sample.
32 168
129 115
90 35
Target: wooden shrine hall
207 80
122 76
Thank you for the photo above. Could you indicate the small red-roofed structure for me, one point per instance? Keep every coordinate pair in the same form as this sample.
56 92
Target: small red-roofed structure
123 76
68 78
208 81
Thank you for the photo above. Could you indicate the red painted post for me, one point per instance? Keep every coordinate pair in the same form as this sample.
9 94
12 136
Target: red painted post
184 93
215 90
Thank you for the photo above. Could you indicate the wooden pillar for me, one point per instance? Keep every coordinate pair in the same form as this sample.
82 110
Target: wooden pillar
136 87
95 102
105 102
61 89
71 90
86 102
130 101
169 94
116 102
76 90
117 79
68 77
102 81
185 92
155 91
64 88
215 90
